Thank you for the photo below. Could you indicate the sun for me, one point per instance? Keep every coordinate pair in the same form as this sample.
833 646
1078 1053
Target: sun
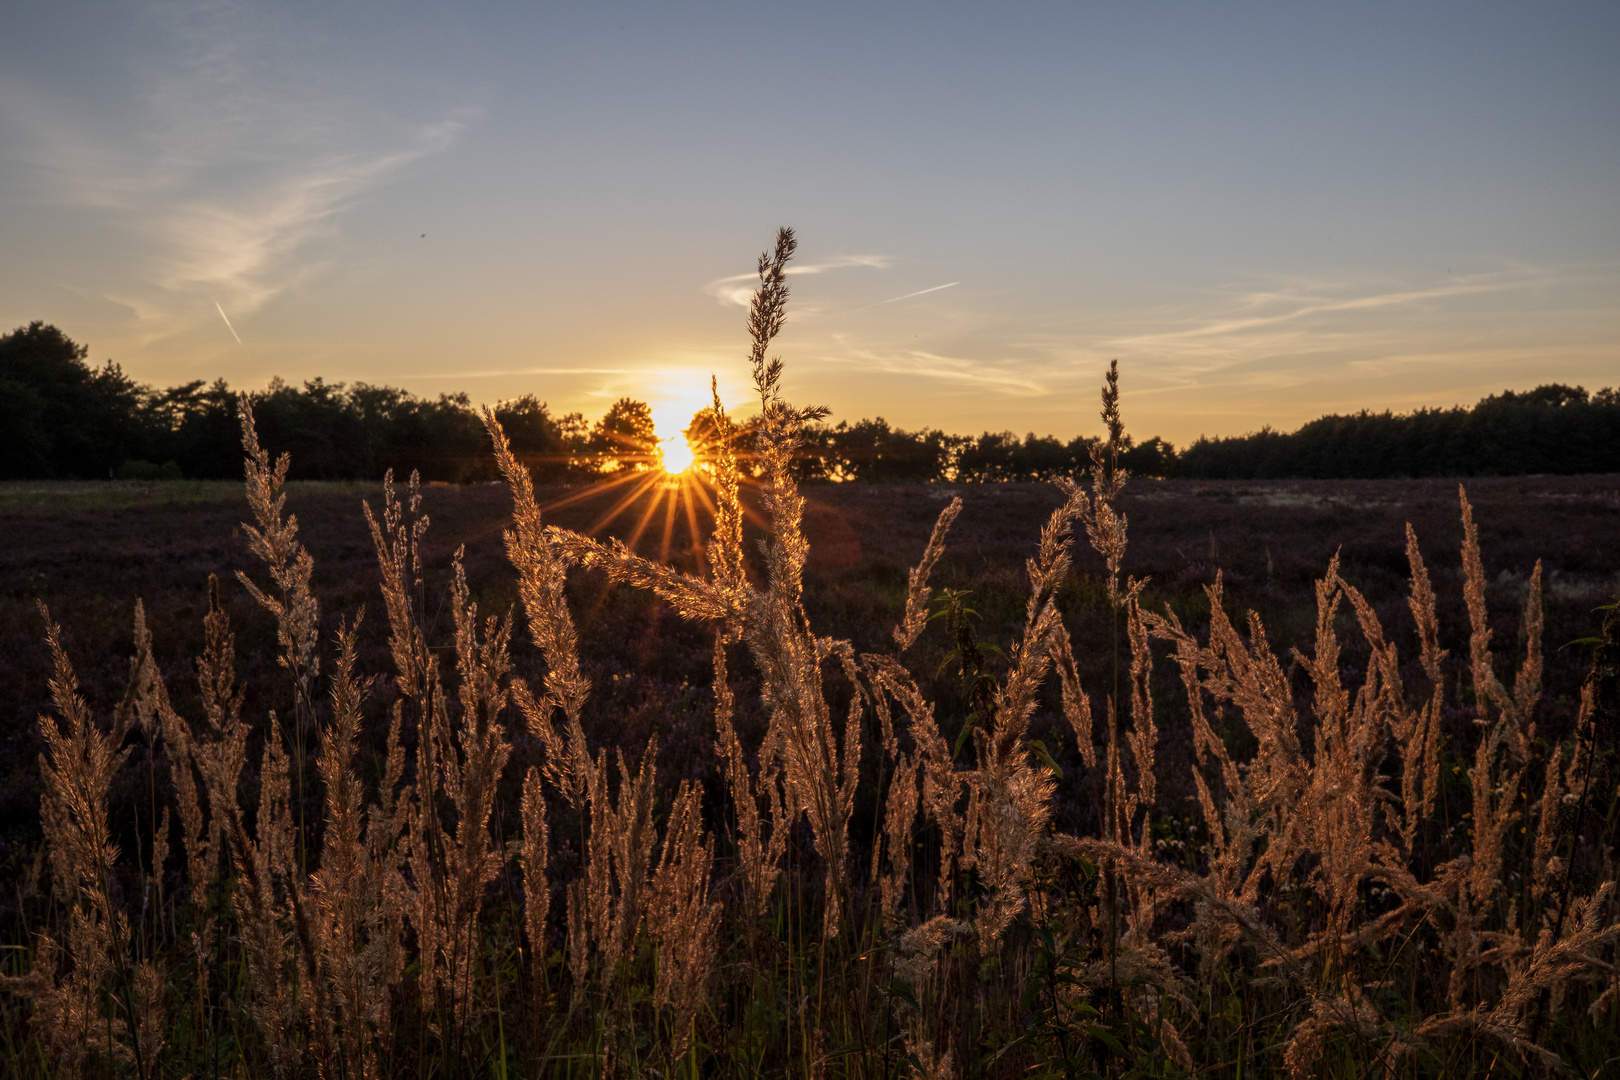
667 483
675 454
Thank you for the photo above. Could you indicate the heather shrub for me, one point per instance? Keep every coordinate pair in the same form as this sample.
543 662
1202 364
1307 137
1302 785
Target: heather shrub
874 883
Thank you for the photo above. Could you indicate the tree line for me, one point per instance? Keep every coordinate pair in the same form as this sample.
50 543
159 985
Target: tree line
62 418
1551 429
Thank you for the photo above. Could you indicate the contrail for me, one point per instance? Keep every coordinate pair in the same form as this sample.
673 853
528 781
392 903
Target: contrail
228 325
909 295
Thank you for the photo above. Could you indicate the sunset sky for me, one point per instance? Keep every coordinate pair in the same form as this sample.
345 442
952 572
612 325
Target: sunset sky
1265 211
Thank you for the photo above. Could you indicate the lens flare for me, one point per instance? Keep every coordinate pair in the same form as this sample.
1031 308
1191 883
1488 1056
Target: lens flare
675 455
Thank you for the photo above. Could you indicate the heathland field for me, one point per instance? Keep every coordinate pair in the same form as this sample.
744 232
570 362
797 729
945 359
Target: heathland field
91 549
971 955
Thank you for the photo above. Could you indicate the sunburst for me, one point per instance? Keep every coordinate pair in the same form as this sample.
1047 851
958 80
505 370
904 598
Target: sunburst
670 487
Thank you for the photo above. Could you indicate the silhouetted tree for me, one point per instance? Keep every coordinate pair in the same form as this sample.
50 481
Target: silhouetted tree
58 415
625 437
1155 457
1551 429
705 436
872 451
1005 458
554 448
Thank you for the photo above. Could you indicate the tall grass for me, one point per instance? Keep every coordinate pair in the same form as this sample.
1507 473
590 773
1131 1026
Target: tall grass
861 896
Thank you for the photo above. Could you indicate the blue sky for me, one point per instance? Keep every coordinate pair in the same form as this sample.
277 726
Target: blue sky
1265 211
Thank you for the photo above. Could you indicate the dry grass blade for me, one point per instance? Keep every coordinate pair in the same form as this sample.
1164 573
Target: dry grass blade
1076 702
620 856
398 544
681 919
817 767
917 591
1487 687
542 586
899 825
725 551
357 918
533 856
471 861
1144 734
275 542
758 850
1010 800
1423 744
102 986
1105 527
692 597
941 785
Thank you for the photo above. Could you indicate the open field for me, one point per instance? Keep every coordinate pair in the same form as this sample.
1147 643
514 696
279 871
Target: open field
89 550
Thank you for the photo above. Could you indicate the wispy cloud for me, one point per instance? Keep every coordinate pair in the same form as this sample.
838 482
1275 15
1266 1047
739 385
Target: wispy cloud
1280 308
1319 326
1487 362
246 242
908 296
225 154
738 289
1009 377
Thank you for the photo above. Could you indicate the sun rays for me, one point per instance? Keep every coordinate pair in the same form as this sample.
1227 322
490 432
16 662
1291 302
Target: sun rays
663 482
672 500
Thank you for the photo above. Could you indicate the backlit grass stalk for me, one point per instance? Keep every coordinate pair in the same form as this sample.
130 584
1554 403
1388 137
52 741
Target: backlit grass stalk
102 986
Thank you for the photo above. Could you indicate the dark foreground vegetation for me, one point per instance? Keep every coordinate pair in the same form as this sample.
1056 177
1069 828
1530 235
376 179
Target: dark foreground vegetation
62 418
89 550
722 777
